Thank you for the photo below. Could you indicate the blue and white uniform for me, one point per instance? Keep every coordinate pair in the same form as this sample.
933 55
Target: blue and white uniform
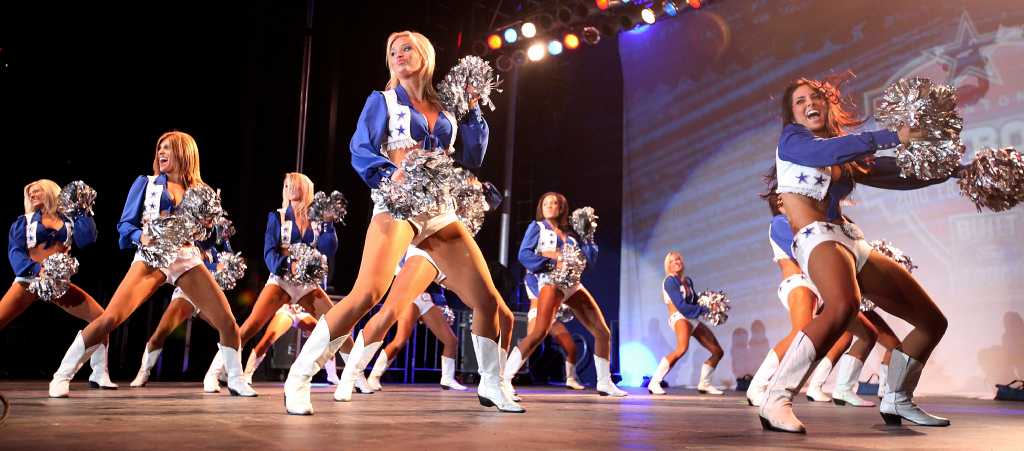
210 250
389 122
147 200
541 237
282 231
28 231
780 236
680 293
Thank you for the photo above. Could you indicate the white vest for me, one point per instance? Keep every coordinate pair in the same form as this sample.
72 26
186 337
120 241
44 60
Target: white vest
547 241
31 227
400 122
794 178
286 228
151 203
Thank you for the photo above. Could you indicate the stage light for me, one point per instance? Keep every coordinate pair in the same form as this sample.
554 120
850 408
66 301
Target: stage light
529 30
555 48
591 35
670 8
536 52
511 35
494 42
695 4
571 41
648 16
602 4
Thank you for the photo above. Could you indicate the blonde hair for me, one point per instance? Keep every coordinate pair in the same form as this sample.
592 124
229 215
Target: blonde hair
668 258
51 193
186 154
425 49
307 192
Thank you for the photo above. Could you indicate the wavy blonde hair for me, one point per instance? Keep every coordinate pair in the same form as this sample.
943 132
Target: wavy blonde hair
425 50
668 258
51 193
307 192
186 154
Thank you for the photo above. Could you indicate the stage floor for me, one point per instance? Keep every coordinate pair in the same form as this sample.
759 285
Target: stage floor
179 416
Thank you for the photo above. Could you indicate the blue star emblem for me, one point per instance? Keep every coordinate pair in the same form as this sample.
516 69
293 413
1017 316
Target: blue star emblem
401 130
829 227
802 178
401 114
808 231
965 56
819 180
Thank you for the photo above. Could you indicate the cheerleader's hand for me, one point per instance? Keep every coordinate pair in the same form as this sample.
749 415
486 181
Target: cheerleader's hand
398 176
907 134
474 96
145 240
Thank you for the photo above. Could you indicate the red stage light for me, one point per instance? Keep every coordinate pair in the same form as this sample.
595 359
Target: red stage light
602 4
695 4
494 42
571 41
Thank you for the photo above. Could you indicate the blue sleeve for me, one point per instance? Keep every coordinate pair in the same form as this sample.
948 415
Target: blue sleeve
436 293
884 173
527 252
84 232
17 251
493 196
798 145
276 263
365 145
211 264
327 243
590 251
473 137
129 227
671 287
782 234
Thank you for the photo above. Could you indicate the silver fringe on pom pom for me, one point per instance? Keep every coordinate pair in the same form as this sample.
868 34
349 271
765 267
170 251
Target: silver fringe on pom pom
718 307
232 267
584 222
866 305
202 203
224 228
918 103
569 270
887 249
564 314
995 179
448 315
328 209
308 265
470 202
76 198
471 72
55 278
426 189
167 235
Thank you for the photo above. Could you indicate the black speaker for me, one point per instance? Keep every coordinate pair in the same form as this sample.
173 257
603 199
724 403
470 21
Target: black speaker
285 349
464 321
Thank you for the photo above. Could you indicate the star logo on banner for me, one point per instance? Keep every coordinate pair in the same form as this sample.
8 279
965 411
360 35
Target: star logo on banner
967 54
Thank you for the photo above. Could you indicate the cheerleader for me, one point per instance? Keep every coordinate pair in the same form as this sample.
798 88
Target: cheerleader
815 163
285 226
286 317
41 232
540 252
407 116
175 169
684 319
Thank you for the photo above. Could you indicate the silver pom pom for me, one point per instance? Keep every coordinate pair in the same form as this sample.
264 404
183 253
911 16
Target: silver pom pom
564 314
887 249
584 222
995 179
328 209
569 270
308 265
231 269
471 76
224 228
866 305
718 307
202 203
166 237
76 198
55 278
918 103
425 190
448 315
470 202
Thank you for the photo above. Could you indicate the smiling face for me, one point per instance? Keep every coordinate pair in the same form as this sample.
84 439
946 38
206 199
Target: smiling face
809 108
403 58
551 207
36 196
166 162
676 264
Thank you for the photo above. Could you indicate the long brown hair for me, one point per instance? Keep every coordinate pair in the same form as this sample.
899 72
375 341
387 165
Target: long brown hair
186 155
562 221
841 111
772 195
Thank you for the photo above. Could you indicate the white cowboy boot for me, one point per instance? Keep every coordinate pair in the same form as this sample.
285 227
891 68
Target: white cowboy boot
75 357
315 352
211 381
448 381
776 411
100 377
883 373
654 385
510 368
758 385
332 371
237 385
605 385
149 359
572 381
380 366
359 383
252 365
358 353
704 386
489 391
818 377
847 373
898 404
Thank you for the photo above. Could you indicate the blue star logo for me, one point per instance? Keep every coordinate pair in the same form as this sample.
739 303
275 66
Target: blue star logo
829 227
802 178
808 231
401 114
965 56
401 130
819 180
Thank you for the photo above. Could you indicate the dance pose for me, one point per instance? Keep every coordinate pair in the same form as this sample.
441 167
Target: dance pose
407 116
815 163
539 254
558 332
41 232
175 169
684 319
285 226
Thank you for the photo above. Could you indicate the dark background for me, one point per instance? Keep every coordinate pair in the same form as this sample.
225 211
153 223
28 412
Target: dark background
86 90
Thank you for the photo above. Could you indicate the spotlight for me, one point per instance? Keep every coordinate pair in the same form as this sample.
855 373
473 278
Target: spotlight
511 35
494 42
529 30
536 52
695 4
571 41
602 4
555 47
671 9
504 63
648 16
591 35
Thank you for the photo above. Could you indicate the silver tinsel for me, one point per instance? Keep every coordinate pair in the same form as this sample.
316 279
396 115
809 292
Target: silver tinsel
328 209
426 189
470 72
224 228
866 305
202 203
569 270
166 236
887 249
470 202
718 307
448 315
584 222
995 179
55 278
919 103
76 198
231 269
564 314
308 266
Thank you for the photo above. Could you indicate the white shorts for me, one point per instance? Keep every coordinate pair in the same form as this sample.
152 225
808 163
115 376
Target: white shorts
25 280
424 303
796 281
425 225
815 233
295 312
532 314
414 251
188 257
295 292
542 280
676 316
179 294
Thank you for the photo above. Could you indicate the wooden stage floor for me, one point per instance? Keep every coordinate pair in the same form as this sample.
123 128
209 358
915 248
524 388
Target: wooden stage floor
179 416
